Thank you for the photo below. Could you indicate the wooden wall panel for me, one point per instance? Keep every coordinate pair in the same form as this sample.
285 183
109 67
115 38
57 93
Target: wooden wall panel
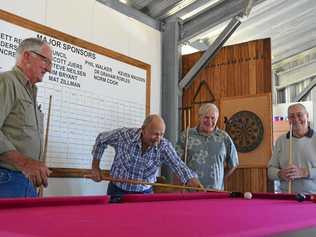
237 71
252 180
279 128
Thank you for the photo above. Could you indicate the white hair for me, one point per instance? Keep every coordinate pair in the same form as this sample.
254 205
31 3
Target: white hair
205 108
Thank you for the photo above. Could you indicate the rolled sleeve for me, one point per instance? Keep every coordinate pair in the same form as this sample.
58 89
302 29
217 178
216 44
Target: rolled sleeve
99 147
103 140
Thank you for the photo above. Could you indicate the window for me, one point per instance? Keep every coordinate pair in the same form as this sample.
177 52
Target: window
297 88
281 96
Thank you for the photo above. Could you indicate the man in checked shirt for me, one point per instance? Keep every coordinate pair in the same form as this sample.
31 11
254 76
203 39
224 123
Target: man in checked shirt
139 152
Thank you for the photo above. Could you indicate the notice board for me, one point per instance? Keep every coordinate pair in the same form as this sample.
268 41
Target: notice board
93 89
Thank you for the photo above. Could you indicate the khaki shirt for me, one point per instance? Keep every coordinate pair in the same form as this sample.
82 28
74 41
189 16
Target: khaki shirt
21 122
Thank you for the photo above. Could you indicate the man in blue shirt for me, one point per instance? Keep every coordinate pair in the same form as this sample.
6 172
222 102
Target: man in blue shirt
139 152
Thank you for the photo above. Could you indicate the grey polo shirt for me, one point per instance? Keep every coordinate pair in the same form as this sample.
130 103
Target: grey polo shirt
21 122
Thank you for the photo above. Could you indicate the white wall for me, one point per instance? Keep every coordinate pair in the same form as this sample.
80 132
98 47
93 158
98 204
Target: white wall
99 24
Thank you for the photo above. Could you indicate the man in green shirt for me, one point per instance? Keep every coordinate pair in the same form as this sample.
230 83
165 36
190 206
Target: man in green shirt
209 149
21 121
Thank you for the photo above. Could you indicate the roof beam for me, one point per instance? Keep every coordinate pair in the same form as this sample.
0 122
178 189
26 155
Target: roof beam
140 4
210 52
131 12
210 18
158 8
301 95
215 15
191 8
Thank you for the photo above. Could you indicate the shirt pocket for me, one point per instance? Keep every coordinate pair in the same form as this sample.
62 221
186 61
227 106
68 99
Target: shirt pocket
27 113
125 156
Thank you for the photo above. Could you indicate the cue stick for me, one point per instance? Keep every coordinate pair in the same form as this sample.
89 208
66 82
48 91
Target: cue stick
290 155
41 188
187 136
129 181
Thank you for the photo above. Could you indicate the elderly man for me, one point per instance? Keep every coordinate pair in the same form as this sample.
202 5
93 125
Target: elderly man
208 149
21 121
139 152
302 171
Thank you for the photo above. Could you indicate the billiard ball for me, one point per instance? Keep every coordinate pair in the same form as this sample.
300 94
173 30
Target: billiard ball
300 197
247 195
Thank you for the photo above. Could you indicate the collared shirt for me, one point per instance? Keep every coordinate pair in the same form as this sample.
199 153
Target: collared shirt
207 155
309 133
130 163
21 122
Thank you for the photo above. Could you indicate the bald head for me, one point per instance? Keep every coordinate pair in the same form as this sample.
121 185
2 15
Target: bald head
152 118
153 130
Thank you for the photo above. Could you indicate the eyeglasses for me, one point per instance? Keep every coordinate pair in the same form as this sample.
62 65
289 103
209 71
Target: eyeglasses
45 59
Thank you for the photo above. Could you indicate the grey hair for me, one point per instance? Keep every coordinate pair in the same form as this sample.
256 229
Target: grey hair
29 44
295 105
205 108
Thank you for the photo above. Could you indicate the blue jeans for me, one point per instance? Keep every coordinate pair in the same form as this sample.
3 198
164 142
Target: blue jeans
116 193
13 184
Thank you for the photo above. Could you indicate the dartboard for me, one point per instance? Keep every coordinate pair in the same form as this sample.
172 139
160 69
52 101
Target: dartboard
246 130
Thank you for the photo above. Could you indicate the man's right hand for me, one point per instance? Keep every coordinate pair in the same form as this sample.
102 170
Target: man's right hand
34 170
95 171
96 174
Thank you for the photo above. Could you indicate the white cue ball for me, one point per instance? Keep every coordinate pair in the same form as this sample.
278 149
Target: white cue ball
247 195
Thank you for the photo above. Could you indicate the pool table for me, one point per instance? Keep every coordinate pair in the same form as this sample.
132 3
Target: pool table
152 215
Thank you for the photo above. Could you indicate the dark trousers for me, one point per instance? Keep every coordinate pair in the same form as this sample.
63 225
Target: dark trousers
116 193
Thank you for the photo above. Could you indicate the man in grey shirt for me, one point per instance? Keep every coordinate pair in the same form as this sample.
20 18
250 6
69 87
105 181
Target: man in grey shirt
302 171
21 122
209 149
